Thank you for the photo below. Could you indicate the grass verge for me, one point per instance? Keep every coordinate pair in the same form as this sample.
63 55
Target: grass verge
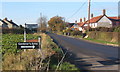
97 41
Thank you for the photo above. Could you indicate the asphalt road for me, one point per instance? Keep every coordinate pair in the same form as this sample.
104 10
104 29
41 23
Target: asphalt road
87 54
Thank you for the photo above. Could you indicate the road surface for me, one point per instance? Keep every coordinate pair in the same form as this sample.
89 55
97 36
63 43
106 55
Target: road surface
87 55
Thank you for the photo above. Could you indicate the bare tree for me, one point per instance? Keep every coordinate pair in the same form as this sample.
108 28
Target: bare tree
42 21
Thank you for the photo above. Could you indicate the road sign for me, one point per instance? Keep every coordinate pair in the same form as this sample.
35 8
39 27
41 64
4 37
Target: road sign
28 45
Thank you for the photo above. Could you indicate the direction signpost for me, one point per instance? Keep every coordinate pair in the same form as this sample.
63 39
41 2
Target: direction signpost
28 45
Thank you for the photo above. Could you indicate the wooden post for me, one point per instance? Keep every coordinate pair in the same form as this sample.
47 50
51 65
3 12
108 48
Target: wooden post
40 50
88 14
25 35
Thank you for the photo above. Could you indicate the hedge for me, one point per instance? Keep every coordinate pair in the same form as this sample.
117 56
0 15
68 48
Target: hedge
104 29
105 36
17 30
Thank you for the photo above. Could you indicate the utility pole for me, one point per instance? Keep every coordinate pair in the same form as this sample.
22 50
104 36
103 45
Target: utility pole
89 14
40 22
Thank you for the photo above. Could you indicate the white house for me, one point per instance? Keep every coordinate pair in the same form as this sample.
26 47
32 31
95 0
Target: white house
101 21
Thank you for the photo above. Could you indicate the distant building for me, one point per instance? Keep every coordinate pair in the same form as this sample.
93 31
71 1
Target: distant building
5 23
32 26
77 26
69 25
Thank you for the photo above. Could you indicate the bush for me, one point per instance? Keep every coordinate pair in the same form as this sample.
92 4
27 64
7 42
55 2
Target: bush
17 30
76 33
67 66
14 30
117 29
102 29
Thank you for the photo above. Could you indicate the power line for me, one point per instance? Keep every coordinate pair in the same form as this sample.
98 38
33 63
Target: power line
77 10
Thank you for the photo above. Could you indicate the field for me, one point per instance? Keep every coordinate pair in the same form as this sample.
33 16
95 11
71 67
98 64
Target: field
9 42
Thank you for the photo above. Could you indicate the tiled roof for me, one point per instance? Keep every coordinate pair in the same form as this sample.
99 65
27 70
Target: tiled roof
114 18
95 19
80 23
72 27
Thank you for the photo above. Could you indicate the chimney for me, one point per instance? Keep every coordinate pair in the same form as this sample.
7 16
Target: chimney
81 20
92 15
10 20
5 19
84 19
76 21
104 12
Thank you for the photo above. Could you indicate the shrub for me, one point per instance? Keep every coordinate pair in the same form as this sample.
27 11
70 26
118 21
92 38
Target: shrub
76 33
17 30
117 29
103 29
67 66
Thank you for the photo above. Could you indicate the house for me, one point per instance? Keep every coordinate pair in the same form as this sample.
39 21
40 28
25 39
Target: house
5 23
115 21
69 25
32 26
77 26
14 25
102 21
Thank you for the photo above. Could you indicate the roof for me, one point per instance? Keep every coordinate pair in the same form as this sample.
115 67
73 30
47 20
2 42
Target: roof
31 26
95 19
3 21
70 24
12 23
80 23
114 18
